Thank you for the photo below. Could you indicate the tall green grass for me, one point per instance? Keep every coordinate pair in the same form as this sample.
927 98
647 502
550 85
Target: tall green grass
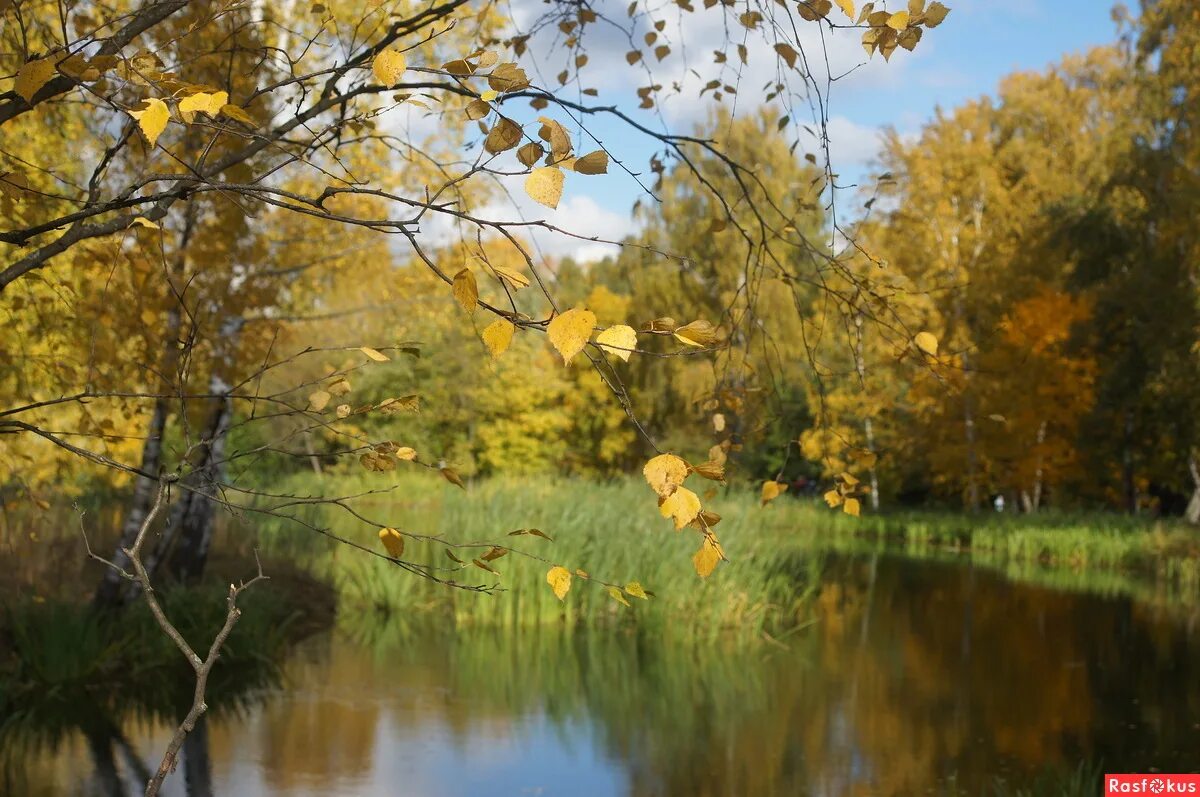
610 530
613 531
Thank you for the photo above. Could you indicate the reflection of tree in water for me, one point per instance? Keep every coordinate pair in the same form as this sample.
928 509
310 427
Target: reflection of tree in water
915 677
64 668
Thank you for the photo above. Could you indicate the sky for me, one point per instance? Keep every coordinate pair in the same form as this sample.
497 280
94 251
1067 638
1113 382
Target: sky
967 56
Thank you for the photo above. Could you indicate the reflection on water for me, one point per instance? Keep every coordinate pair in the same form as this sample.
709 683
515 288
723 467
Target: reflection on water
917 678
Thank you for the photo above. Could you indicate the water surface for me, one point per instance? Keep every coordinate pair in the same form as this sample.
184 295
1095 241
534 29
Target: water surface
916 678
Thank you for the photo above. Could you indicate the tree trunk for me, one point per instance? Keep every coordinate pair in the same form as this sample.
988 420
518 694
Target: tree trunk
1192 513
972 457
197 765
195 512
1038 474
108 593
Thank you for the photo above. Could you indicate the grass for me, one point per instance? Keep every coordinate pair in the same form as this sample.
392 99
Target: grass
613 531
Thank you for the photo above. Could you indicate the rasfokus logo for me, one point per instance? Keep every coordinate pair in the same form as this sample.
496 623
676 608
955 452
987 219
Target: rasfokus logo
1156 783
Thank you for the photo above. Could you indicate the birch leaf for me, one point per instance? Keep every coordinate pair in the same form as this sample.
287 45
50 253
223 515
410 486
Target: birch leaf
498 335
209 103
393 541
545 186
682 506
593 163
619 340
705 560
570 331
388 66
664 473
32 76
772 490
152 119
559 579
318 400
374 354
927 343
466 291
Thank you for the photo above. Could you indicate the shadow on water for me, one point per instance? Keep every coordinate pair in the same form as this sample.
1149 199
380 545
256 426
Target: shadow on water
915 678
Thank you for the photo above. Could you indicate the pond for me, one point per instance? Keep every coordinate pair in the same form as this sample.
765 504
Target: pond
915 678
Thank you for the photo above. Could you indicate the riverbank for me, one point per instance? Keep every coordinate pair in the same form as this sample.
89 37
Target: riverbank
613 531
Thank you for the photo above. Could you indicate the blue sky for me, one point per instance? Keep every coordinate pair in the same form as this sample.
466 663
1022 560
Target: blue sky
968 55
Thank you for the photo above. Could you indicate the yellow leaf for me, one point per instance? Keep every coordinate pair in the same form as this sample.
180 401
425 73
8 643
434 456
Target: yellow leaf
570 332
833 498
927 343
238 113
32 76
787 53
593 163
504 135
152 119
935 14
705 560
489 96
545 186
477 109
508 77
698 333
619 340
718 420
340 387
343 410
497 335
559 579
393 541
616 595
511 277
847 7
318 400
465 290
530 153
851 507
375 355
710 470
388 66
209 103
898 21
405 453
664 473
141 221
634 588
682 505
864 457
772 490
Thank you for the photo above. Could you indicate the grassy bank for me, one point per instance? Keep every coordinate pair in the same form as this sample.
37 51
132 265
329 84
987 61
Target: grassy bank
613 531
